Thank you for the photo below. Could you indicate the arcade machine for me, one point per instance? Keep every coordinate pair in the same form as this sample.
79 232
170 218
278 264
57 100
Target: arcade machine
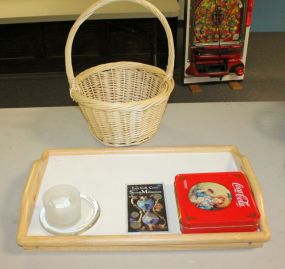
216 40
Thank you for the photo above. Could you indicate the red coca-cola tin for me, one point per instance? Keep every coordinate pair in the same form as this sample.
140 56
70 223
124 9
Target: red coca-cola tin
215 202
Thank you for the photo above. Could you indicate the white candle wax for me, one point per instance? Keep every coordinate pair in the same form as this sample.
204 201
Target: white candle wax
62 205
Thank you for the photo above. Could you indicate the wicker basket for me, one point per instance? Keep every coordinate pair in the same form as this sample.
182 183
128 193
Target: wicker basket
123 102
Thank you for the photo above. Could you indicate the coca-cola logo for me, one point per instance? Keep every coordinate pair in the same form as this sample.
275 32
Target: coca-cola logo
242 199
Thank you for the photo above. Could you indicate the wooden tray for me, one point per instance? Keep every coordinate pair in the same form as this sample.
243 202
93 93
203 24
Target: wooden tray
104 174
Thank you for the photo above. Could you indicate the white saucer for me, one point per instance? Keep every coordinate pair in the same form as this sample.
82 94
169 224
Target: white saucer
90 212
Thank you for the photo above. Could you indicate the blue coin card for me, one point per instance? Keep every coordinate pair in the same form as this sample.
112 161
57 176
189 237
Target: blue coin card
146 208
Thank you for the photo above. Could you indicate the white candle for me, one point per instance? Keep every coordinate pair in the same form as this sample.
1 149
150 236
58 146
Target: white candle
62 205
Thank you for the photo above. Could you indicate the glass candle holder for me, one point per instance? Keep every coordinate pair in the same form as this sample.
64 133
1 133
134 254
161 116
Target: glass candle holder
62 205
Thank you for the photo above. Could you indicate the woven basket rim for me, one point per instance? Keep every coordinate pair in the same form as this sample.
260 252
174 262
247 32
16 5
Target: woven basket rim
106 66
81 99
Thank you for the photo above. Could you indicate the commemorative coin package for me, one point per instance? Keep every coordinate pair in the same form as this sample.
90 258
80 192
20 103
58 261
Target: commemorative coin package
146 208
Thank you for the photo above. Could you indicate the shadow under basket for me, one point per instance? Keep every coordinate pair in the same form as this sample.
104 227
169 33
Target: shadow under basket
123 102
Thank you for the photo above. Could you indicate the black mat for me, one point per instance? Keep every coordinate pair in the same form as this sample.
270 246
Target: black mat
264 81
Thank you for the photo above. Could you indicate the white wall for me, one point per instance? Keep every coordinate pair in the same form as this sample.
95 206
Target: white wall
181 3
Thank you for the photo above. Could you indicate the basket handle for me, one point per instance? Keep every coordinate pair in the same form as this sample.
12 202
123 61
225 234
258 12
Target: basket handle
91 10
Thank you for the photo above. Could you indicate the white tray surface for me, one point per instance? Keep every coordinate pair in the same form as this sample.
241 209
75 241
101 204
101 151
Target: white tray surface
105 176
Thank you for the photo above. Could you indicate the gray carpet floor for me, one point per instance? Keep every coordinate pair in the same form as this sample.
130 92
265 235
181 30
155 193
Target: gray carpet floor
264 80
